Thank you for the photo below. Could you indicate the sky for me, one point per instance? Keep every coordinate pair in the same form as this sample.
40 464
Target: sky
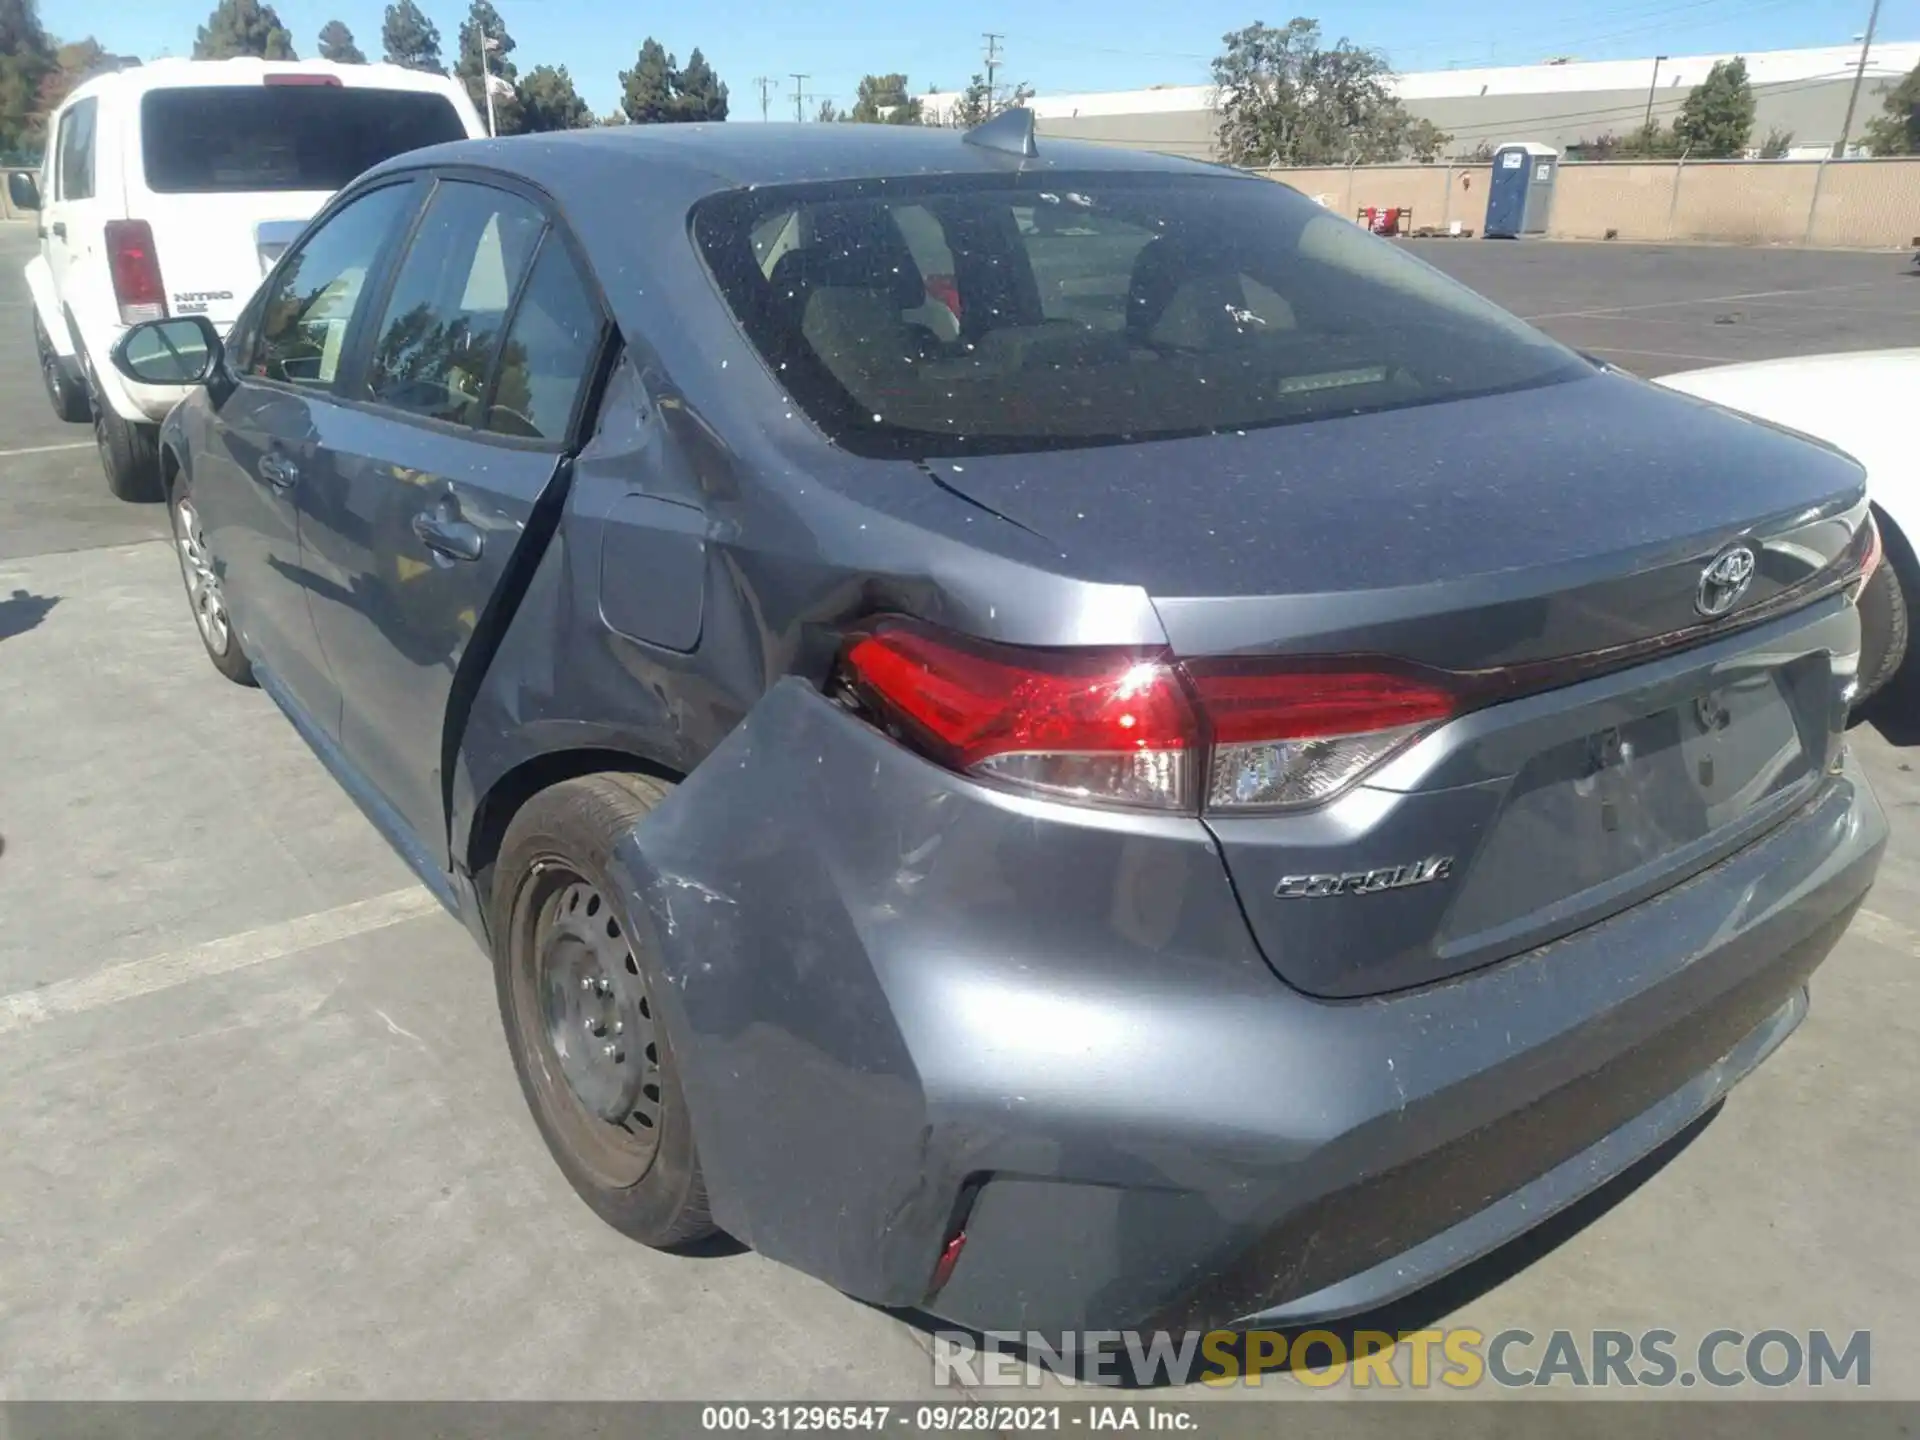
1054 45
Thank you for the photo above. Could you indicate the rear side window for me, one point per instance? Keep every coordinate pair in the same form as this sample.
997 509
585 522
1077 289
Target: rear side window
216 138
947 315
76 150
549 349
434 347
314 295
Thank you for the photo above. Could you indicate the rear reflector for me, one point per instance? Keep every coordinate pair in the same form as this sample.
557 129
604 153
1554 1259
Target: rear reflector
301 78
136 271
1117 727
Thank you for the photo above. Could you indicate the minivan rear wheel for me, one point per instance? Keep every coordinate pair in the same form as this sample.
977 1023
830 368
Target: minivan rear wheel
129 452
576 984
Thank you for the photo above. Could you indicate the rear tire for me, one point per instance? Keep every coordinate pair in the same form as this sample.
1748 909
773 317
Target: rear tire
574 982
65 392
129 451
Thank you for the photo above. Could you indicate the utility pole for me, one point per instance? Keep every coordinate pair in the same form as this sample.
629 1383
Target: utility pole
993 62
486 77
766 84
799 98
1859 74
1647 124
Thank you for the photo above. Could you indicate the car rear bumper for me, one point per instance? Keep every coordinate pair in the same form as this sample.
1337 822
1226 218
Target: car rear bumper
906 1004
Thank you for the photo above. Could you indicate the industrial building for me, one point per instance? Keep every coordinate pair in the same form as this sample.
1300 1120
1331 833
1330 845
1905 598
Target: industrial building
1560 103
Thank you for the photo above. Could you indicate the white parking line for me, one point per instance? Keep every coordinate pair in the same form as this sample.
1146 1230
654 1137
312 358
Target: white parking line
1694 300
216 957
46 449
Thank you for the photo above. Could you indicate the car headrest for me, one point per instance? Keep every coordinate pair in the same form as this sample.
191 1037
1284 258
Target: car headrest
852 247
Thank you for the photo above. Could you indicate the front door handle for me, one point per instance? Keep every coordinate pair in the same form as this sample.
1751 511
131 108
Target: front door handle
59 229
278 471
443 532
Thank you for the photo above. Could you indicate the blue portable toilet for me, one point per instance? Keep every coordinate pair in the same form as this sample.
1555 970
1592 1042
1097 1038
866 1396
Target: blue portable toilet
1521 195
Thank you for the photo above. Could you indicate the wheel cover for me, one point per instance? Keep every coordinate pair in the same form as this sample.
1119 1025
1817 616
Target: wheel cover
587 1021
203 583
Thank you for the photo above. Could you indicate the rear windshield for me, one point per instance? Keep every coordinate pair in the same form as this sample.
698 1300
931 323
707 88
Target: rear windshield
282 137
964 314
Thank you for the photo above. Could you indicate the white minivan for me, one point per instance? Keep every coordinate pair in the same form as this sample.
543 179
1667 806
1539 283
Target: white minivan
171 188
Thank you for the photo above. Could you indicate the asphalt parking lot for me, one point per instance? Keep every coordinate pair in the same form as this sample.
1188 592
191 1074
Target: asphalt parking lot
262 1138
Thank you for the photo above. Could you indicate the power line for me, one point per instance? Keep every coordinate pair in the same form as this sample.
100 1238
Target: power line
766 84
799 86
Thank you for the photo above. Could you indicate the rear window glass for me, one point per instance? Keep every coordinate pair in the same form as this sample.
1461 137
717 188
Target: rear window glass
965 314
211 139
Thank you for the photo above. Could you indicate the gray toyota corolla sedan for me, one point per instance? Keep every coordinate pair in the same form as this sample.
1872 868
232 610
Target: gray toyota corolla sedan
1053 735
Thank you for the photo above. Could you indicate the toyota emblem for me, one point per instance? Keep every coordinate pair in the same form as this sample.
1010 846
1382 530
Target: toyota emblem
1724 581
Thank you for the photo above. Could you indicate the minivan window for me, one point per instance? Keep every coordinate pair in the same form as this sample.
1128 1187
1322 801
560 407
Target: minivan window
947 315
76 150
214 138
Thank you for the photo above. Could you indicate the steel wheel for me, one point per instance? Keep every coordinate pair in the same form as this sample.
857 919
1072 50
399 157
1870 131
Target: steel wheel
585 1014
203 585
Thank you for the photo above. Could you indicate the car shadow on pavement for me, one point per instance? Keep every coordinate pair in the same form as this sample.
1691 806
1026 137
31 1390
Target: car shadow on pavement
1898 723
1422 1310
20 612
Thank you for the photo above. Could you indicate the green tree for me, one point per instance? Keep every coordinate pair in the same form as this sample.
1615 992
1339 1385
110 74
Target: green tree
1896 129
411 39
883 99
484 21
1282 98
26 61
698 93
828 113
336 44
1777 143
1717 116
548 101
973 107
243 27
646 91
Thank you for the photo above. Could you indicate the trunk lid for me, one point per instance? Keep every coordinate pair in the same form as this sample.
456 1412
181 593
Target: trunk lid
1551 541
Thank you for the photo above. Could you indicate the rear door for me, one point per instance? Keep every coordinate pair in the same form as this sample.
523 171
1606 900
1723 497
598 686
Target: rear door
227 175
465 400
72 223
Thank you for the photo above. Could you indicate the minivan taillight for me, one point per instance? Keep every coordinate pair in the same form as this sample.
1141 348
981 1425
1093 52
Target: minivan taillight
1123 727
136 271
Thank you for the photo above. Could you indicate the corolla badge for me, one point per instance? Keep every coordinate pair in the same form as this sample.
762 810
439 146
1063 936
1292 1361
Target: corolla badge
1365 882
1724 581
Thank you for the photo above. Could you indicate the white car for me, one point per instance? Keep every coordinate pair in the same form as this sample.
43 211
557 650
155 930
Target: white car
1857 402
170 189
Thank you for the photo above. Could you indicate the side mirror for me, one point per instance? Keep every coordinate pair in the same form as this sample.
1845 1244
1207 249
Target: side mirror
186 351
23 190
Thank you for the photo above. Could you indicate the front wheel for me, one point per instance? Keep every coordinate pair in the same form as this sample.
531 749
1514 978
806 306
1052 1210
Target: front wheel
204 593
576 984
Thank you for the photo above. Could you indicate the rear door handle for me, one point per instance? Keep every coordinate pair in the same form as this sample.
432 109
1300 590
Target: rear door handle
442 531
278 471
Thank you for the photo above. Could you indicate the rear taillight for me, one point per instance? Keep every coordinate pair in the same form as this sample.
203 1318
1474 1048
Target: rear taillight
136 271
1125 728
1299 733
1103 726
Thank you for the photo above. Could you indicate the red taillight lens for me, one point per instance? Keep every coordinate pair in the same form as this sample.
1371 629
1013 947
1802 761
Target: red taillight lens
1123 728
1107 726
136 271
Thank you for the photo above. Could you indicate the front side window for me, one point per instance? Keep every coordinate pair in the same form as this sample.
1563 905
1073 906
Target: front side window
314 295
77 150
210 139
434 347
956 314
